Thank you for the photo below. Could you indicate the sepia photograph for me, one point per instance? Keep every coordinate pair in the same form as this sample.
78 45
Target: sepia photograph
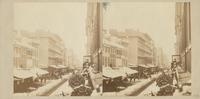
146 49
98 48
56 49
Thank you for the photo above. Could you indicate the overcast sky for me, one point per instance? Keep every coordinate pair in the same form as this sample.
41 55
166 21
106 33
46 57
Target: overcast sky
68 21
65 19
154 18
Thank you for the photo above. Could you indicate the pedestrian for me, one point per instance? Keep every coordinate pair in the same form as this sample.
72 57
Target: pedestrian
174 66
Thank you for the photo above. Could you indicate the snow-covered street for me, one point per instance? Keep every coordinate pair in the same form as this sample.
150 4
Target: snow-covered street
63 90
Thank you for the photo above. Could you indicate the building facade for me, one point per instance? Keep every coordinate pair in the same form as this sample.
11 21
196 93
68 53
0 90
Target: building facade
39 49
160 57
114 51
140 47
51 48
68 58
26 51
183 34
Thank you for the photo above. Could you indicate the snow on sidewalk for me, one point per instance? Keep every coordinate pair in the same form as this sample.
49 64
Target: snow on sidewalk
135 88
151 89
46 88
64 89
41 89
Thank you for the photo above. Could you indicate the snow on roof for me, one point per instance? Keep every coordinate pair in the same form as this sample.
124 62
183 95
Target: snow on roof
109 72
23 73
62 66
39 71
127 70
112 43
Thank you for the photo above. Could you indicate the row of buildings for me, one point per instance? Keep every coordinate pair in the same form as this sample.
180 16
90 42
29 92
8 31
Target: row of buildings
130 47
40 49
114 51
134 47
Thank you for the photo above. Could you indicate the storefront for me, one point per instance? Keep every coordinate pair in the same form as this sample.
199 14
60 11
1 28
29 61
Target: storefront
152 69
111 79
64 69
23 79
128 72
41 74
144 71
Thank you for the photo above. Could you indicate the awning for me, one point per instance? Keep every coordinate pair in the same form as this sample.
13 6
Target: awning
39 71
127 70
62 66
54 66
23 73
16 79
144 66
109 72
131 65
71 67
151 65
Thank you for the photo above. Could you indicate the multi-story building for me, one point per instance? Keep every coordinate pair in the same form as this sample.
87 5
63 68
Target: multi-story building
159 57
51 48
25 51
66 57
183 34
114 51
155 55
39 49
70 60
140 47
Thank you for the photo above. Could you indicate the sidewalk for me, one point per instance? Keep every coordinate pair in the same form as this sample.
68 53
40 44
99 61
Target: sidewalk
152 89
186 91
65 89
185 80
134 89
42 91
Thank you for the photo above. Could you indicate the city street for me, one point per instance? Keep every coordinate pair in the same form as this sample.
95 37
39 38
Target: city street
149 87
63 90
138 87
185 90
102 53
142 87
45 90
150 90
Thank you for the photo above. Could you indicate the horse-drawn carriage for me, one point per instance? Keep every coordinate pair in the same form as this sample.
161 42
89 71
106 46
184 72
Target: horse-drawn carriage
144 71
